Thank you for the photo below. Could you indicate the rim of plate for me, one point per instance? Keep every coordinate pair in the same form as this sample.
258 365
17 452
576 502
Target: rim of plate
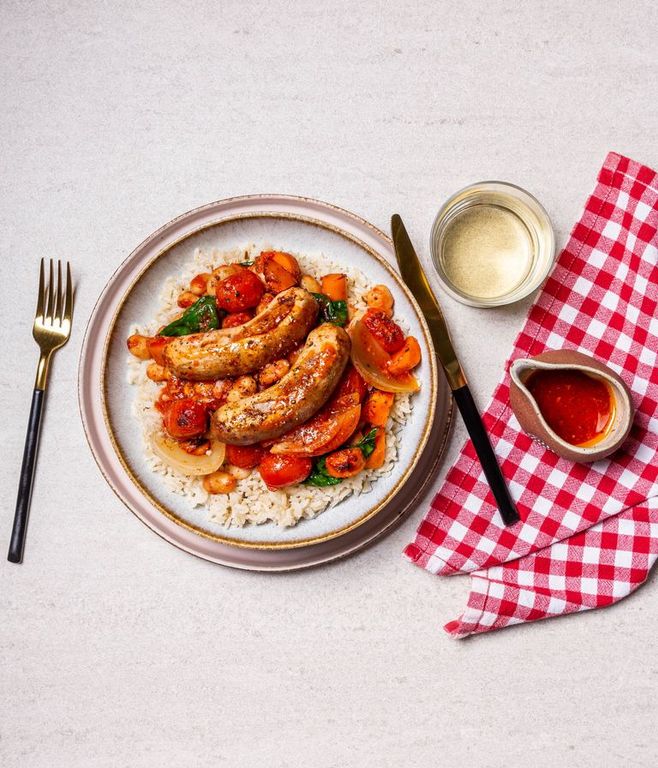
117 304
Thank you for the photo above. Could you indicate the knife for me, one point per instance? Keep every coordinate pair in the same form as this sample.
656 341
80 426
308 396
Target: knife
416 280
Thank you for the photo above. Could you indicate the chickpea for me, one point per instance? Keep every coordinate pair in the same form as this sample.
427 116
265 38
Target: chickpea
221 388
381 299
238 472
157 372
272 372
243 386
265 300
186 299
310 284
219 482
199 283
138 345
219 274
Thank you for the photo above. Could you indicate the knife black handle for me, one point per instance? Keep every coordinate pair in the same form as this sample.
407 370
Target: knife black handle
485 453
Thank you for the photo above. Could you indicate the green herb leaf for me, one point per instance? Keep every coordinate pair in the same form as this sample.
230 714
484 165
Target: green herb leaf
367 443
319 476
201 316
332 311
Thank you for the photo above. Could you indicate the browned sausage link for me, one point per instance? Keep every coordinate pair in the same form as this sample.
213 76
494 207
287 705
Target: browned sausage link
294 398
245 348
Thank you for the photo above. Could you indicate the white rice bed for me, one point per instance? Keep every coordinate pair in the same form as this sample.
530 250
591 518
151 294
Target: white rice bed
252 501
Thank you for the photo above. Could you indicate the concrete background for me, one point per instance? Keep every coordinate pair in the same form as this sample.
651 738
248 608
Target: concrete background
118 650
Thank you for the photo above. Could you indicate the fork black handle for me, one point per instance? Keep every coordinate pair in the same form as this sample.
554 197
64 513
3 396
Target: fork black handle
19 530
482 445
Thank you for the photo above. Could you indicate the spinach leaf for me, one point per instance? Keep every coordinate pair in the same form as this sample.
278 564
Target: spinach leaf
201 316
319 476
367 443
332 311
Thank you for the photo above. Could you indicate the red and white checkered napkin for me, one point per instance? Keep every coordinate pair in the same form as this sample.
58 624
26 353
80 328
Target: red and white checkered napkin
588 534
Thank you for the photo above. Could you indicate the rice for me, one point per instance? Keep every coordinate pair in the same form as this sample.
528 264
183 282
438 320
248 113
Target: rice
252 502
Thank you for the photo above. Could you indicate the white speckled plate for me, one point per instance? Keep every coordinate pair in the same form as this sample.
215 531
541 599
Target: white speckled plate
132 296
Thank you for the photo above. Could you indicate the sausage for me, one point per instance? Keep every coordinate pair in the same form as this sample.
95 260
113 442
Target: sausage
269 336
294 398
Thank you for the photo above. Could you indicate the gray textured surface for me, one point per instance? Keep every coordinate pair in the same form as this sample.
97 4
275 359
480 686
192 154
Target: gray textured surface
118 650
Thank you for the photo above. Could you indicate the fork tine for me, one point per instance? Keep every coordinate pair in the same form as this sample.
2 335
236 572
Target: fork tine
41 300
51 294
68 302
59 299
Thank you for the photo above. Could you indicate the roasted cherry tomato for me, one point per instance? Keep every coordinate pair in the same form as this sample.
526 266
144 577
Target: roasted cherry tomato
279 471
240 291
386 331
244 456
186 418
157 347
236 318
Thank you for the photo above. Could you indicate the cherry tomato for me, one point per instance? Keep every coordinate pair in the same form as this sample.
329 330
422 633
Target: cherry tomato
240 291
388 333
157 347
244 456
186 418
278 471
236 318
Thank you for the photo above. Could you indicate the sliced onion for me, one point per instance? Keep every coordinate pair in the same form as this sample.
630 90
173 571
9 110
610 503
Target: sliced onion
172 454
370 358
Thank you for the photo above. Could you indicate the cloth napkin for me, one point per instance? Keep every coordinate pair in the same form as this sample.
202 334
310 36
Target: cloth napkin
588 534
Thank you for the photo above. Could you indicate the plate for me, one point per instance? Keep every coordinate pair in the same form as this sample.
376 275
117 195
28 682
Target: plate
132 296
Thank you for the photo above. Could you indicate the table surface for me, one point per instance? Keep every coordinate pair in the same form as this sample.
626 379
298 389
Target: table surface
119 650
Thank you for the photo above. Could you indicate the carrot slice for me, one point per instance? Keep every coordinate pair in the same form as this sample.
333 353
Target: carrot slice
335 286
377 407
376 458
406 358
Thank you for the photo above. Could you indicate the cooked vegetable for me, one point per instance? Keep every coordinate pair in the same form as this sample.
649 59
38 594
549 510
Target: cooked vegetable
186 299
324 432
406 358
352 381
170 451
381 299
236 318
345 463
370 360
201 316
248 263
332 311
199 283
367 443
278 269
310 284
387 333
156 347
220 482
335 286
157 372
377 407
376 458
281 471
319 476
244 456
138 346
240 291
186 418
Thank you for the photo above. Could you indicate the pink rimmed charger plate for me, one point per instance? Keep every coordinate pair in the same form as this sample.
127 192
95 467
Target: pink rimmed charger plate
288 223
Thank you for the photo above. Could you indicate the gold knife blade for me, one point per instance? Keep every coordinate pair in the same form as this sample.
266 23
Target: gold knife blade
416 280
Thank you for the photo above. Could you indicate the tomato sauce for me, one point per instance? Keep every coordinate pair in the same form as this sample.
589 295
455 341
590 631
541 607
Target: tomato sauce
577 407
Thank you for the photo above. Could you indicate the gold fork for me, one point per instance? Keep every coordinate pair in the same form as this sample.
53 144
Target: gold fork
52 328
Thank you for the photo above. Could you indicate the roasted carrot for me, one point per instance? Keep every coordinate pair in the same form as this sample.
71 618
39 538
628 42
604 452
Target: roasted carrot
377 407
345 463
335 286
406 358
376 458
